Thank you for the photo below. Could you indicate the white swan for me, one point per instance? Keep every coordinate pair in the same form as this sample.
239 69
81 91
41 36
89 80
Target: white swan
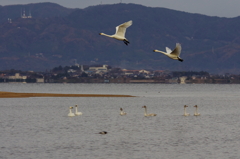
185 113
196 111
122 112
172 54
120 32
146 114
70 112
76 111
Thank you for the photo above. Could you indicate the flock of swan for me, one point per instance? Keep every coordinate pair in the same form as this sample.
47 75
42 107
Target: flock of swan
173 54
71 114
145 113
195 113
120 35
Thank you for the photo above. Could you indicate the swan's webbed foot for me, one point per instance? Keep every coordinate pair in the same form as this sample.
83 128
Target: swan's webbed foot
126 42
179 59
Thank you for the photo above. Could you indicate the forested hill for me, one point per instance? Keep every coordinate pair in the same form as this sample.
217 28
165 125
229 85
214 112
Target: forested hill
208 43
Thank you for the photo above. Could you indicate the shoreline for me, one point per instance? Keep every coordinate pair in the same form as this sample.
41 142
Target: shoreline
27 95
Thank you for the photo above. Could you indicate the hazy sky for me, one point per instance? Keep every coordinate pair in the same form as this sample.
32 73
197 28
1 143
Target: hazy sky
221 8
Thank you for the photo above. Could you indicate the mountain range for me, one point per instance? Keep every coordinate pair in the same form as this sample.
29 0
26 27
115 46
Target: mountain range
56 35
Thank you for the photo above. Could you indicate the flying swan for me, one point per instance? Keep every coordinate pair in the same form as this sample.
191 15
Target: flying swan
172 54
76 111
185 113
70 112
196 111
120 32
146 114
122 112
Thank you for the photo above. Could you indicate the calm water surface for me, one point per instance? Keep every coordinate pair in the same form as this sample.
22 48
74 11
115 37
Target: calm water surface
40 128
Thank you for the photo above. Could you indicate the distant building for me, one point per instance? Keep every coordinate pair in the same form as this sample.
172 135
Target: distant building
71 71
103 68
23 14
17 78
144 71
9 20
40 80
30 15
183 79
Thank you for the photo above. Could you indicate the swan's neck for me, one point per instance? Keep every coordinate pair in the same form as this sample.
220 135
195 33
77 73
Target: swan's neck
185 112
107 35
161 52
76 110
196 112
70 111
145 111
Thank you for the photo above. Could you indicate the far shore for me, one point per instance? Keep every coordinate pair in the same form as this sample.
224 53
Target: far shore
26 95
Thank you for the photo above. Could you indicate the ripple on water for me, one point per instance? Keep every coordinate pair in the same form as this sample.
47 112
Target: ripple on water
40 128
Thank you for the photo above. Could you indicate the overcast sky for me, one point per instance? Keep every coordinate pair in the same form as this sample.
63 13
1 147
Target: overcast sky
220 8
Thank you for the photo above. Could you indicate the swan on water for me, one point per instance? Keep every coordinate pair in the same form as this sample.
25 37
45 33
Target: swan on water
76 111
122 112
120 32
70 112
146 114
185 112
196 111
172 54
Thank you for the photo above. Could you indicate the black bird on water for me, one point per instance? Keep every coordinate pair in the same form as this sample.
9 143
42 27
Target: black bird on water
103 132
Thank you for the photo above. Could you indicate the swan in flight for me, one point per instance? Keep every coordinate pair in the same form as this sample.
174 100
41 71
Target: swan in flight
120 32
146 114
70 112
173 54
185 113
196 112
122 112
76 111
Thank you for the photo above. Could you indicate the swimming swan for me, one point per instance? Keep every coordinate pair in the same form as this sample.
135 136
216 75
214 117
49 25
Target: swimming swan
120 32
76 112
172 54
196 112
146 114
185 113
70 112
122 112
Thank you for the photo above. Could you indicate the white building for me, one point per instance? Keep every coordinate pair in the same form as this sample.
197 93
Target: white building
17 76
99 69
23 14
40 80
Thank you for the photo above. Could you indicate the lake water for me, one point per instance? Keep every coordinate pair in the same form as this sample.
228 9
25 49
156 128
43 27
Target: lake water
39 127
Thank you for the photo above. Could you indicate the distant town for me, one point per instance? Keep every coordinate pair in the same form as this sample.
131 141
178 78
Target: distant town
108 74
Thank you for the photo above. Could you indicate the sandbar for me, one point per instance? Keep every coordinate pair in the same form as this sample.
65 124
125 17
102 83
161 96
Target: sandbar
27 95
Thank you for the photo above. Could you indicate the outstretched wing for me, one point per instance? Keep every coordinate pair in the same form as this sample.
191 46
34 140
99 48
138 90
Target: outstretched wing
121 29
177 50
168 50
